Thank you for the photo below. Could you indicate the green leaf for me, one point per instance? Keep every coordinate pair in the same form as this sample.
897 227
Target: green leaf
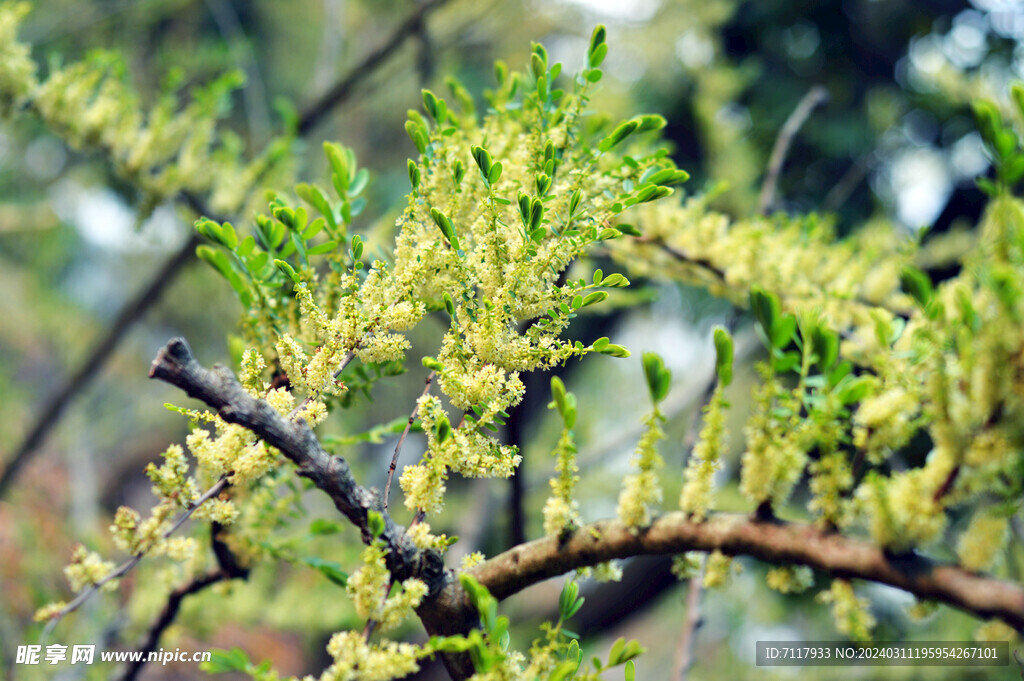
414 174
483 159
616 651
620 133
327 568
338 159
615 280
668 176
326 247
222 661
600 344
659 378
917 284
287 269
650 122
375 523
630 671
322 526
826 346
359 182
442 430
723 355
615 351
597 41
432 364
782 333
449 304
854 390
495 173
595 297
566 599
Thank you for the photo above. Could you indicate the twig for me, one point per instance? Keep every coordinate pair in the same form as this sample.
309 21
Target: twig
401 440
126 567
228 568
772 542
165 619
814 98
842 189
693 622
349 356
344 88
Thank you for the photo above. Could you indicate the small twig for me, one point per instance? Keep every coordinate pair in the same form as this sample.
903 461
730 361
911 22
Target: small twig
693 622
165 619
349 356
126 567
344 88
814 98
842 189
401 440
228 568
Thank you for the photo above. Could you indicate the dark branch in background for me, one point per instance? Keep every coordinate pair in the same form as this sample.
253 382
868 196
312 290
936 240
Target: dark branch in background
693 622
814 98
52 410
228 568
773 542
343 89
401 440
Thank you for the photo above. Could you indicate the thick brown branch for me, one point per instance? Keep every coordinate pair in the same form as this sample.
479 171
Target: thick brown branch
772 542
219 389
343 89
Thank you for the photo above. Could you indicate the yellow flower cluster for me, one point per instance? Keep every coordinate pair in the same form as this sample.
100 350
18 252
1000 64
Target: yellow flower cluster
718 569
775 457
982 541
464 450
561 510
850 612
790 579
368 588
695 497
86 569
357 660
641 491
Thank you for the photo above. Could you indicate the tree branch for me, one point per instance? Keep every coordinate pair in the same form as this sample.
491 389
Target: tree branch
772 542
50 412
814 98
401 440
343 89
228 568
219 389
445 610
693 622
166 617
127 566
